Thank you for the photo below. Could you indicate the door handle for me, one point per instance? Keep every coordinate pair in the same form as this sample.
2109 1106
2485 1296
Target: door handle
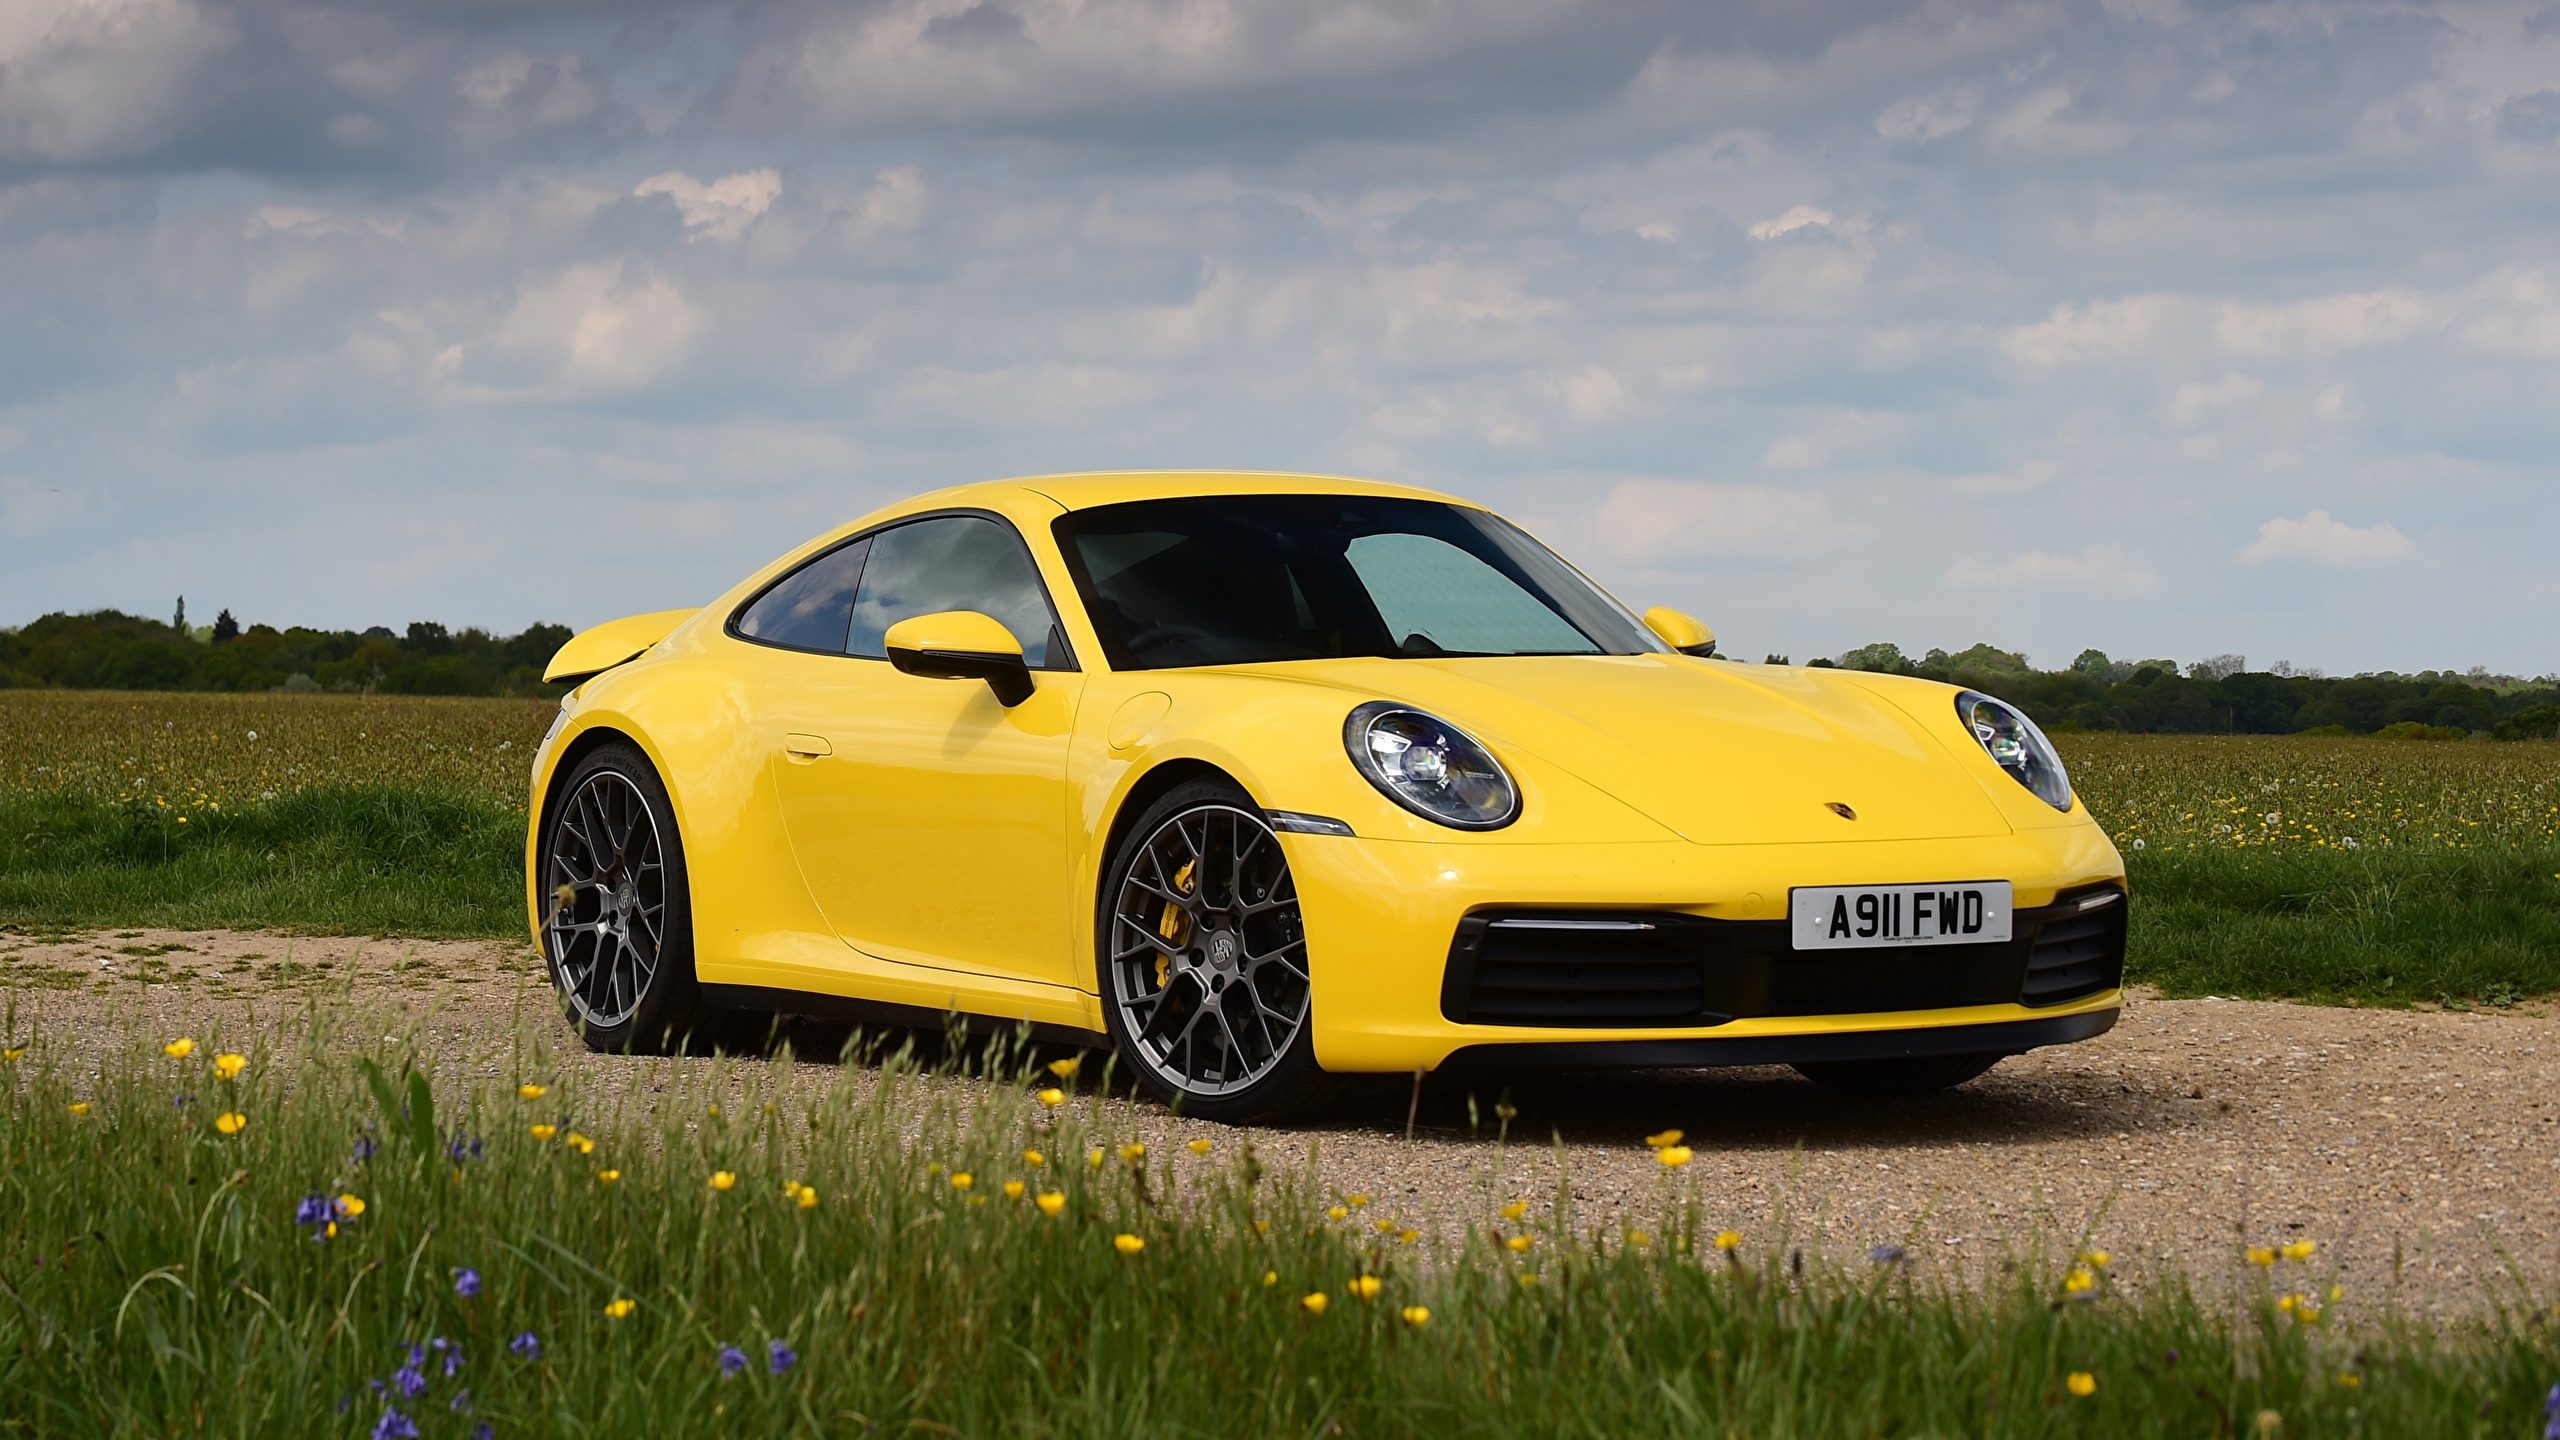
807 747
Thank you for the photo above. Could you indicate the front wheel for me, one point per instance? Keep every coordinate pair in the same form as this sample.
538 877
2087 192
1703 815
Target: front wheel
1919 1075
618 939
1205 983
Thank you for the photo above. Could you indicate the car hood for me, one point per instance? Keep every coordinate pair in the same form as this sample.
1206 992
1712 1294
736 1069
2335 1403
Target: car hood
1721 753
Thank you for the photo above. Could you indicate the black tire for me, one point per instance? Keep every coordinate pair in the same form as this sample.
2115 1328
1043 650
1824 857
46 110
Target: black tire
1919 1075
618 937
1198 922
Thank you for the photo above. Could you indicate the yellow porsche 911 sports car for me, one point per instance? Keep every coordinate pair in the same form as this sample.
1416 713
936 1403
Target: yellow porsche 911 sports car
1265 779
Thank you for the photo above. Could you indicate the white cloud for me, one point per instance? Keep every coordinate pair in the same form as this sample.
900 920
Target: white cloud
2024 480
2202 401
2038 125
91 80
1795 219
590 329
721 210
1927 118
1659 520
2105 568
1842 433
2323 541
1046 396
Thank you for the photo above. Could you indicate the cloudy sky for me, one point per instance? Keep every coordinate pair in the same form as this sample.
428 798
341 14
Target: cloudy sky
2166 328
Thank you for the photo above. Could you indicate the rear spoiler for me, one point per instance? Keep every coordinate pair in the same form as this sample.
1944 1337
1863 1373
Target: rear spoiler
615 642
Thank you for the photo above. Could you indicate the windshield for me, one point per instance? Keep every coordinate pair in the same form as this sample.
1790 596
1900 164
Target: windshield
1237 579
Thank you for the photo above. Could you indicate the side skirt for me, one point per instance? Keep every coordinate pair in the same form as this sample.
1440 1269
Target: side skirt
770 1000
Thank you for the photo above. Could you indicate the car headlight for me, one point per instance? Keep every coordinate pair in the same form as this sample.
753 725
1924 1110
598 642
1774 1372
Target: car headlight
2015 744
1430 767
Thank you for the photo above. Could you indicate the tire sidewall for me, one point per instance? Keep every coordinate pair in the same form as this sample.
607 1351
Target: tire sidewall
670 1004
1291 1083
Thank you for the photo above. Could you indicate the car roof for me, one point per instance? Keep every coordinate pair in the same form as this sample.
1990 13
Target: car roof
1112 487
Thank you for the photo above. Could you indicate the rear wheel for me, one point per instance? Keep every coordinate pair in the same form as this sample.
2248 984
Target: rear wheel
618 940
1919 1075
1204 961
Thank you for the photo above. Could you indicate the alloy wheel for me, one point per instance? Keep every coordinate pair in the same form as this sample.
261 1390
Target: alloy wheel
608 900
1208 952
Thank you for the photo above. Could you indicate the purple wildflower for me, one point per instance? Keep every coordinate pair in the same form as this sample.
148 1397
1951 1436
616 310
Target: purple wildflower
461 1402
2551 1407
525 1347
779 1356
733 1361
346 1403
314 1211
453 1362
394 1426
377 1385
462 1148
409 1382
1885 1254
364 1149
484 1431
181 1102
466 1282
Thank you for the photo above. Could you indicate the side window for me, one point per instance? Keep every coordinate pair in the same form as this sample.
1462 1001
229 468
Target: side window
956 562
812 607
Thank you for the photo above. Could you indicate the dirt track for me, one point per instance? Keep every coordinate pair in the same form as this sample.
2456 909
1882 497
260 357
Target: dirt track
2417 1144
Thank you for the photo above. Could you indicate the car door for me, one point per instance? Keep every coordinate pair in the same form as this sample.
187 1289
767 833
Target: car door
928 818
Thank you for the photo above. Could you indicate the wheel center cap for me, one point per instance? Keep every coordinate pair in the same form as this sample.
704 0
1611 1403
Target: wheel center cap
1222 949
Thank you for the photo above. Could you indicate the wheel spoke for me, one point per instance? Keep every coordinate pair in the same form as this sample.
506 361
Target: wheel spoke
1239 892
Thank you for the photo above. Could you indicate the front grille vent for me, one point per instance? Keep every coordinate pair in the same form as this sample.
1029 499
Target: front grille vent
1665 969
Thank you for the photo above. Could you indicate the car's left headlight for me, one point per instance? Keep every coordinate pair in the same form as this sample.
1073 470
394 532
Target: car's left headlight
2015 744
1430 767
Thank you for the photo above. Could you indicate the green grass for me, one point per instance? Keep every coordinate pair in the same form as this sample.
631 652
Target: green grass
2446 926
156 1281
374 860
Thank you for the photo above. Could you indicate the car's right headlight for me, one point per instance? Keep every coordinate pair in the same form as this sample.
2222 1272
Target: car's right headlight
2015 744
1430 767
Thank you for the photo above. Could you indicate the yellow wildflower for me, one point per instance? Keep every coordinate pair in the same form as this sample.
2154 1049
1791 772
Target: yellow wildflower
1673 1156
545 1132
2351 1381
1261 1227
1127 1244
1408 1237
1336 1212
580 1143
1198 1147
1386 1227
608 1176
350 1206
1051 1202
1094 1157
1515 1209
12 1053
2096 1259
1013 1189
2300 1249
619 1308
1314 1304
2082 1384
533 1092
1364 1286
1034 1159
1357 1200
1520 1244
2261 1256
808 1197
80 1108
1667 1137
1417 1316
1063 1068
963 1180
1133 1152
1053 1096
723 1179
230 1122
1639 1239
2081 1280
1728 1240
225 1067
179 1049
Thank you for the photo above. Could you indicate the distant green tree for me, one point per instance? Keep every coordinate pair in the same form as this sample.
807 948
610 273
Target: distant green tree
225 629
2093 663
2536 722
1883 657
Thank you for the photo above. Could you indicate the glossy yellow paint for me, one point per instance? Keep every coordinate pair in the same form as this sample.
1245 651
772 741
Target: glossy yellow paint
611 643
946 851
1679 629
963 631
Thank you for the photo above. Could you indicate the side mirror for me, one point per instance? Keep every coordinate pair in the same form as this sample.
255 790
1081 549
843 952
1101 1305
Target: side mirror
961 645
1681 632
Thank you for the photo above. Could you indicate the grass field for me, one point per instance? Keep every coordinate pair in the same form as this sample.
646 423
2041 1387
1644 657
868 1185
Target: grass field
2372 871
312 1241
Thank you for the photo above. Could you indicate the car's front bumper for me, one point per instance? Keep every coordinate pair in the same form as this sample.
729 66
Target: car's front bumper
1381 916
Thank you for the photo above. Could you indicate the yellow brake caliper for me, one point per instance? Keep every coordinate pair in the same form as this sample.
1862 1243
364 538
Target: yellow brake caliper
1170 927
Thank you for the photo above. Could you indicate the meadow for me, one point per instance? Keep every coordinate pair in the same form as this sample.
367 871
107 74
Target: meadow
320 1233
2345 870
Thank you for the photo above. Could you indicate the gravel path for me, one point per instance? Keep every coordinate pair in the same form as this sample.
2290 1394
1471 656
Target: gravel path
2421 1150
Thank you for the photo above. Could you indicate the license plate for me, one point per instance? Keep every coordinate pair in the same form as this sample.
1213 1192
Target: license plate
1858 917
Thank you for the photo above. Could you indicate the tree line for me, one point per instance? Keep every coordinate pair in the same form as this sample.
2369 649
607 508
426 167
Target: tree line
2222 695
110 650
